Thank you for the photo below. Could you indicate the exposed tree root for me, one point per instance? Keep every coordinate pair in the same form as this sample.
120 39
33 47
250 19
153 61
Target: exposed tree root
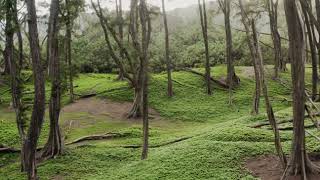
99 137
4 149
291 128
218 82
83 96
279 122
158 145
307 168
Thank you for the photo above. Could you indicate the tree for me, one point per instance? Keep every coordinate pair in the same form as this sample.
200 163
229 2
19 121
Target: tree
269 108
272 8
204 28
167 50
120 24
232 78
53 146
146 32
313 48
71 11
131 68
299 163
246 19
15 66
30 144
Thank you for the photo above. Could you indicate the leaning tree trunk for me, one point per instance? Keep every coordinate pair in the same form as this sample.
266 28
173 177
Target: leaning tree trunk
269 109
254 57
313 49
204 27
37 117
299 163
167 51
53 146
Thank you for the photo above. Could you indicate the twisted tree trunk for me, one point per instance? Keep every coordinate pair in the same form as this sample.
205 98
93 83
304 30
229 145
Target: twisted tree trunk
53 146
299 163
30 144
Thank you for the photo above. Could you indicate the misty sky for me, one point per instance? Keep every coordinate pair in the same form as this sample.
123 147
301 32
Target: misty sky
170 4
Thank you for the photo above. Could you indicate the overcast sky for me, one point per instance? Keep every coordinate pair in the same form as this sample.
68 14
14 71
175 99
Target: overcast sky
170 4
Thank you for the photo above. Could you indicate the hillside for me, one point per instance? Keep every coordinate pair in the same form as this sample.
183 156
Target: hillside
193 136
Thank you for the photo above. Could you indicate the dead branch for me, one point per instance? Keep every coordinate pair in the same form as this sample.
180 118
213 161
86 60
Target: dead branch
158 145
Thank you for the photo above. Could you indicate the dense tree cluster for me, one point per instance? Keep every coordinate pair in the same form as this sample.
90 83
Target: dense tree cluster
142 40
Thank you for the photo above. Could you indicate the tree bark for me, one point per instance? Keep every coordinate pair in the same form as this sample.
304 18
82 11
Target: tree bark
167 51
39 98
269 108
204 27
53 146
299 163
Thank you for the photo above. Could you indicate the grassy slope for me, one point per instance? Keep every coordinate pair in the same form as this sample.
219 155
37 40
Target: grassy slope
221 138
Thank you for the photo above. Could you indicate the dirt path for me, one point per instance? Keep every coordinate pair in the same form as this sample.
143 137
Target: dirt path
267 167
96 107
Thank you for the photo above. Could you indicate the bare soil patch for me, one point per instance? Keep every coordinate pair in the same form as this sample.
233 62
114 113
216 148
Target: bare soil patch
96 107
267 167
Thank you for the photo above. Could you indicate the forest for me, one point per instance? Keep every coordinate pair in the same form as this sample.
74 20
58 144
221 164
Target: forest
160 89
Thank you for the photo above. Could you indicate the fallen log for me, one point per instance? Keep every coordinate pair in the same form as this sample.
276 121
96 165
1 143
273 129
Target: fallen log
158 145
218 82
99 137
265 123
4 149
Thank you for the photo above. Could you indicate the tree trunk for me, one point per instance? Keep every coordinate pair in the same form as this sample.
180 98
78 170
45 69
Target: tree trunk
314 59
120 22
273 16
167 51
39 86
145 30
136 111
69 50
254 56
15 70
54 144
299 163
204 27
232 78
269 108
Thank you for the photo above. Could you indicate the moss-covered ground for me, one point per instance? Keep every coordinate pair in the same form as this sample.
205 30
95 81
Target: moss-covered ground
219 136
